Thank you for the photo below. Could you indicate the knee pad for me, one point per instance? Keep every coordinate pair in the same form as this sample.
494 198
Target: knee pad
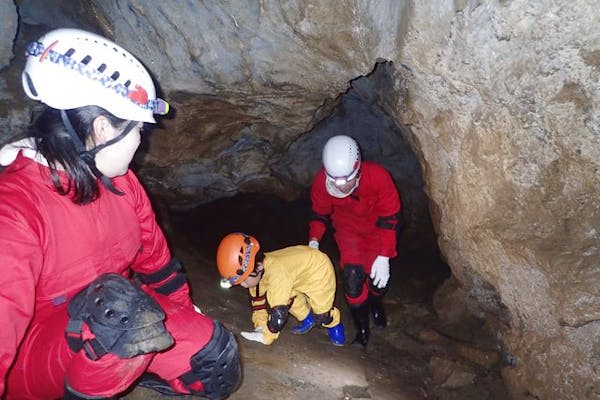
217 366
354 277
125 321
324 318
278 316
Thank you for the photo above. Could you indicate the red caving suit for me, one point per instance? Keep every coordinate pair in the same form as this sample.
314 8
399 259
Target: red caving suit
364 223
50 249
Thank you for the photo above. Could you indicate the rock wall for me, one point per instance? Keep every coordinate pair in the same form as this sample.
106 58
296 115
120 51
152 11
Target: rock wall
503 100
8 30
498 100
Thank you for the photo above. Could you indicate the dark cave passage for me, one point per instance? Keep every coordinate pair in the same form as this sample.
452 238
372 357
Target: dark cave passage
278 223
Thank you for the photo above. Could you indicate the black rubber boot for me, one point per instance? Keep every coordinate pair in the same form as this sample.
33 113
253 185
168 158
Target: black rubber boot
377 311
360 315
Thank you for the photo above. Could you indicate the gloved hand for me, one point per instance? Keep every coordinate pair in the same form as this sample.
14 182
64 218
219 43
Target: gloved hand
314 244
380 271
256 336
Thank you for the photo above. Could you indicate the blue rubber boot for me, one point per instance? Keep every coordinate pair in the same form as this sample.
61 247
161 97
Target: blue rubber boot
337 335
305 326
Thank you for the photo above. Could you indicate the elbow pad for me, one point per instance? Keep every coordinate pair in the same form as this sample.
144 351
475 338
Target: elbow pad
323 218
167 279
390 222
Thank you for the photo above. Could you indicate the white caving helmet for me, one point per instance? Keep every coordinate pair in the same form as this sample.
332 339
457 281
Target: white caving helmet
341 159
71 68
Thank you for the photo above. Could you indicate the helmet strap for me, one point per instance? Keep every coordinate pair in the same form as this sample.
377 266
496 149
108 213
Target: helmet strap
88 156
128 128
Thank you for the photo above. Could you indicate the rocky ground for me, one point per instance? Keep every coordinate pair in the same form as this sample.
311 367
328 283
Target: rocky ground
415 357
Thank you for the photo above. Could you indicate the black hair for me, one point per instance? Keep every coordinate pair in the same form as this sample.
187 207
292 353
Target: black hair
54 142
259 257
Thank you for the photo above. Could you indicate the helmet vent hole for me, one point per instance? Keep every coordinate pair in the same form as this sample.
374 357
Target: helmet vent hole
240 260
86 60
124 319
126 84
109 313
101 68
115 75
98 287
239 272
69 52
98 301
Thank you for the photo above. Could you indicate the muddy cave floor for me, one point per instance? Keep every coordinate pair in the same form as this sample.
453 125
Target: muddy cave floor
414 357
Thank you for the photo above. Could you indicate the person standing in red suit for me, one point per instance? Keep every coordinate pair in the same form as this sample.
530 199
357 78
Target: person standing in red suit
360 200
91 300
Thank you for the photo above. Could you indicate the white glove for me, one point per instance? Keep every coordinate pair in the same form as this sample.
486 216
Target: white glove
314 244
256 336
380 271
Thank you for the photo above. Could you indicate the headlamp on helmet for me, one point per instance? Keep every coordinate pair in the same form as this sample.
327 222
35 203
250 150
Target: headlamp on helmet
343 180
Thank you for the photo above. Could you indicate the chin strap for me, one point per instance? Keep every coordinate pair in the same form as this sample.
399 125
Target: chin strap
88 156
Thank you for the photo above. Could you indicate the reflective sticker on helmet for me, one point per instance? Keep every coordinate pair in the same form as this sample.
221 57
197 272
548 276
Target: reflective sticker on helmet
243 263
35 49
247 257
138 95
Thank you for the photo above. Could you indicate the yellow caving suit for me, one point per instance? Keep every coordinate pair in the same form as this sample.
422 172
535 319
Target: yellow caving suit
300 277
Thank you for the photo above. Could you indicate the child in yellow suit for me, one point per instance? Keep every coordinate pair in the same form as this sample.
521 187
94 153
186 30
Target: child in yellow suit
296 280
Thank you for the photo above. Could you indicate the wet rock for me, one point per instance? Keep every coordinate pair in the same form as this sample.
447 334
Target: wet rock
450 374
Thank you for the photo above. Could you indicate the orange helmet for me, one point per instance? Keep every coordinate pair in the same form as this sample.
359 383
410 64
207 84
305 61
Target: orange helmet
235 256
